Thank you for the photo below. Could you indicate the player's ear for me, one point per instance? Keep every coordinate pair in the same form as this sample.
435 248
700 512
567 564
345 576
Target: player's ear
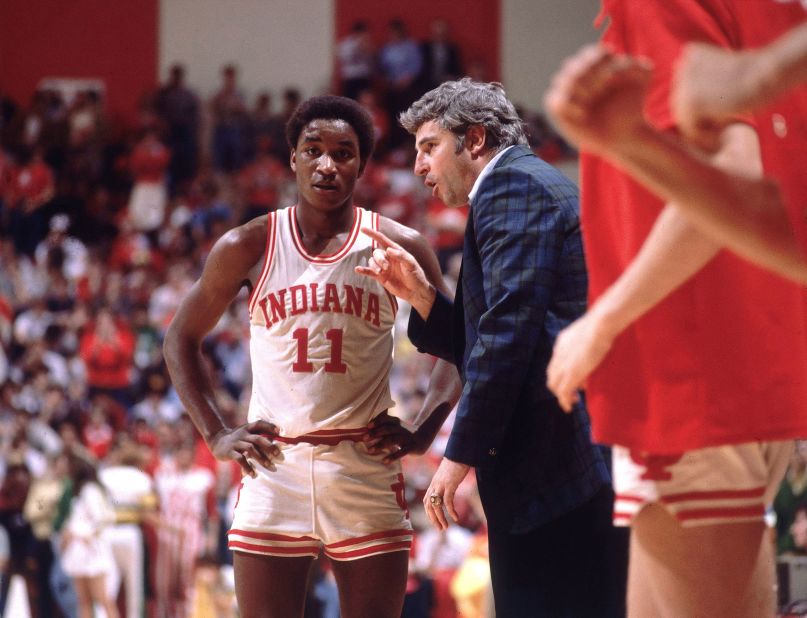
293 160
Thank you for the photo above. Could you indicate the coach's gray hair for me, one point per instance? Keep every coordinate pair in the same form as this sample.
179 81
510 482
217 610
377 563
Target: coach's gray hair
457 105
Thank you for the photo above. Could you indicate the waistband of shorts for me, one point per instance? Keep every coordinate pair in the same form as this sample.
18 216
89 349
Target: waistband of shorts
329 437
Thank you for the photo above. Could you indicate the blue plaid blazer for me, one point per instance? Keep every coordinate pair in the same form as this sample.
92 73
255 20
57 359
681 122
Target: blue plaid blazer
523 279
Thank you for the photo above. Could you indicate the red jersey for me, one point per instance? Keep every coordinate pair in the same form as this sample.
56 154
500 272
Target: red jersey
782 126
723 359
149 161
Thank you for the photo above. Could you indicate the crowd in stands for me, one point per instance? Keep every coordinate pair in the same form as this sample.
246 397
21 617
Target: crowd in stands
103 228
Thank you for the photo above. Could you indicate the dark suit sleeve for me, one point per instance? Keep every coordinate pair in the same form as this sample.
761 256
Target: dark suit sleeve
433 336
520 229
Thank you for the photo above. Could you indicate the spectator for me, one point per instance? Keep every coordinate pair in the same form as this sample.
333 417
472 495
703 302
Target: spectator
133 497
178 108
791 496
264 125
229 111
40 511
259 181
355 60
31 189
400 62
86 551
441 57
61 251
14 489
107 349
149 162
188 523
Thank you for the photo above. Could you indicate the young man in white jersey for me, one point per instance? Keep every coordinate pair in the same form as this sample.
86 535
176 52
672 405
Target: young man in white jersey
316 477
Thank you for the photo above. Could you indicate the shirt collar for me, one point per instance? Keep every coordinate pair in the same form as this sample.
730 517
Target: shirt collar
485 171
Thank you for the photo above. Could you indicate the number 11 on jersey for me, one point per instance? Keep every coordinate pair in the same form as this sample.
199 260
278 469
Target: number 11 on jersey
334 365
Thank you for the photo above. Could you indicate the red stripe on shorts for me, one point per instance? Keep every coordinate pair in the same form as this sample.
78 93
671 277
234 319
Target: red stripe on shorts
718 494
756 510
629 498
269 549
373 549
269 536
370 537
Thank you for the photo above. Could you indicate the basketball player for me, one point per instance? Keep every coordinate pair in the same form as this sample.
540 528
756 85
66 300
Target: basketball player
321 348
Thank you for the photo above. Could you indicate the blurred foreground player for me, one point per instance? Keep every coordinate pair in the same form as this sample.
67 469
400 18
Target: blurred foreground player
321 347
685 343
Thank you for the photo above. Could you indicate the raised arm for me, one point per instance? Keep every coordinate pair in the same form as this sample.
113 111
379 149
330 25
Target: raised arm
713 85
596 100
387 434
228 266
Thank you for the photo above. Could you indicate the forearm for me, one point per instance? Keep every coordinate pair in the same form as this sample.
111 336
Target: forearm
672 253
741 212
782 65
193 385
443 393
422 300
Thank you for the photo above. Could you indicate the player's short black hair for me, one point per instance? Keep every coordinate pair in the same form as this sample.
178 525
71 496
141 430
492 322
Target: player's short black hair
330 107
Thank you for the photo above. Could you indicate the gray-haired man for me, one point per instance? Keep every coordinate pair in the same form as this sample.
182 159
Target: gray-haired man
545 487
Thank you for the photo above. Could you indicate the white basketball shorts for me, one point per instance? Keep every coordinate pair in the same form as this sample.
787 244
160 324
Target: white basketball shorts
328 493
714 485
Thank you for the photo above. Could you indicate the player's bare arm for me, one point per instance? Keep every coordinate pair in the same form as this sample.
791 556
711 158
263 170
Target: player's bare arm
386 432
232 262
597 100
712 84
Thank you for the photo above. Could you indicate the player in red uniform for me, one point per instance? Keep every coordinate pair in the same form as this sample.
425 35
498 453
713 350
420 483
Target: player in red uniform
683 342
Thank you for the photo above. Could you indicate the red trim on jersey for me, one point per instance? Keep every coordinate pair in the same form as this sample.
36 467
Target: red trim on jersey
329 437
393 302
269 536
333 257
271 237
374 549
268 549
376 226
724 494
756 510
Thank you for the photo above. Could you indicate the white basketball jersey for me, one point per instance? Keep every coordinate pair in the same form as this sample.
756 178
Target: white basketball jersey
320 334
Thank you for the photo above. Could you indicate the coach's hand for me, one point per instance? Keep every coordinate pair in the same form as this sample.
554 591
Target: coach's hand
387 435
441 492
399 272
247 444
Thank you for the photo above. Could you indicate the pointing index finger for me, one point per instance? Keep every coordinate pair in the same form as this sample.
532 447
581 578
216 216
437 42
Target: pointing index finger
380 238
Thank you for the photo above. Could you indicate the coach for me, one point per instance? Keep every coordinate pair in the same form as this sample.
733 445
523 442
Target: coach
544 486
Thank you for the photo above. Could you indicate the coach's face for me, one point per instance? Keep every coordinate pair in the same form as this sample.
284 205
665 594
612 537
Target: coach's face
326 162
449 174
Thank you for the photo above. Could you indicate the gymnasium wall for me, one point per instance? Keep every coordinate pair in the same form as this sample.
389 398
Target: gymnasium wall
131 43
275 43
115 41
536 36
473 24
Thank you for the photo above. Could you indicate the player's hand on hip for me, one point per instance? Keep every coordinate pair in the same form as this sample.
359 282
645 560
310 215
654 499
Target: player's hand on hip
386 435
395 268
248 444
441 492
